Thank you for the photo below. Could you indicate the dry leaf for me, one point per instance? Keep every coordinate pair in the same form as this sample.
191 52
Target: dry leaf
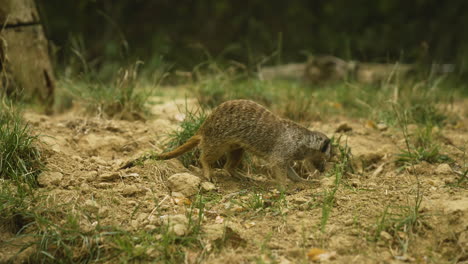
317 254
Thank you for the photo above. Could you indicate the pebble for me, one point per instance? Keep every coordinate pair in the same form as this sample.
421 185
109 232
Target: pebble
382 127
109 176
208 186
185 183
443 169
50 178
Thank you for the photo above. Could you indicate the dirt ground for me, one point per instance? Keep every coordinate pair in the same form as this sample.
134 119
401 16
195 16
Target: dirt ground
83 155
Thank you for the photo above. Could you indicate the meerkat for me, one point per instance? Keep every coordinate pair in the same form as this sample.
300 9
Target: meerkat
237 126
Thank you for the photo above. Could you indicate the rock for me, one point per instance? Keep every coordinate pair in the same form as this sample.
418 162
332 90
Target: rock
77 158
185 183
142 217
91 176
177 195
109 176
299 200
103 211
131 190
382 127
327 182
91 206
178 224
149 228
343 128
208 186
443 169
98 160
50 178
213 232
386 236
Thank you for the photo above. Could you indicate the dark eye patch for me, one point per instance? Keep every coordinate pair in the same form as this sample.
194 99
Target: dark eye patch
325 145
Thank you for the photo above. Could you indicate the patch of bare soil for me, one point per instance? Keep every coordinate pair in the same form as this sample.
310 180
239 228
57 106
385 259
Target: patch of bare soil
256 221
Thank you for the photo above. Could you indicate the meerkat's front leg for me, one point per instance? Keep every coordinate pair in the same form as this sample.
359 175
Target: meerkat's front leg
280 172
292 175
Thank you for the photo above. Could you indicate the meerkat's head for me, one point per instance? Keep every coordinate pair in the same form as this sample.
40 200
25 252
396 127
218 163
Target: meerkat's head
321 143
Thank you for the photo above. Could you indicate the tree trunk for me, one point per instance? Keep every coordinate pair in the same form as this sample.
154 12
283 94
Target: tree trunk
25 67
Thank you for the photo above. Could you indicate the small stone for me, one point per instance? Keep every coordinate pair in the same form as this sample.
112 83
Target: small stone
98 161
178 224
50 178
105 185
382 127
327 182
443 169
84 187
153 219
177 195
149 228
213 232
185 183
91 176
77 158
386 236
130 190
208 186
109 176
91 206
299 200
142 217
103 211
134 223
343 128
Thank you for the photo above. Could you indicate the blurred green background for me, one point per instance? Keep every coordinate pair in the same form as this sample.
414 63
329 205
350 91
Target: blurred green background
185 33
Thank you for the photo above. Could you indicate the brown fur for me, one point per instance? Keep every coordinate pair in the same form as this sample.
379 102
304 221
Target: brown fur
242 125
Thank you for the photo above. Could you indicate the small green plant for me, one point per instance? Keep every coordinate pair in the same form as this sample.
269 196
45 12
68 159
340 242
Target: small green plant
421 147
188 127
122 98
20 158
255 202
67 242
340 169
401 222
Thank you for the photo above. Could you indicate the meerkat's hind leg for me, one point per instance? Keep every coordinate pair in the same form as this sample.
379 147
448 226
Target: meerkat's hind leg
209 156
234 158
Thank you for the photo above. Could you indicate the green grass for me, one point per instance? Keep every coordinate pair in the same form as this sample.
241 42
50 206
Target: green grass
419 147
122 98
187 128
401 222
60 237
20 158
426 101
340 170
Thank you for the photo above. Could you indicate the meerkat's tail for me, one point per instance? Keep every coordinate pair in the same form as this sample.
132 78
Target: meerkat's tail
187 146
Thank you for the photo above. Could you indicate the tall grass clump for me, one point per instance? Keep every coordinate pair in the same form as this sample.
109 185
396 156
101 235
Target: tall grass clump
20 159
123 97
420 146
